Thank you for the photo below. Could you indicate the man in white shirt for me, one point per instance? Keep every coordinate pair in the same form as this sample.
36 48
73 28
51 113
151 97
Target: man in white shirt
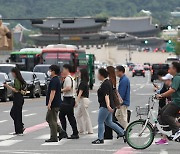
67 107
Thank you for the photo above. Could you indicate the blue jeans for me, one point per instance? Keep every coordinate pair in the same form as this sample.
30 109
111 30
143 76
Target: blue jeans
106 117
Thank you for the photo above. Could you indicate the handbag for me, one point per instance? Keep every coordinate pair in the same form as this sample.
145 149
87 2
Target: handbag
118 101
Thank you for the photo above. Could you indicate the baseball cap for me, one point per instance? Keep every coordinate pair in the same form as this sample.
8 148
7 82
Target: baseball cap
167 77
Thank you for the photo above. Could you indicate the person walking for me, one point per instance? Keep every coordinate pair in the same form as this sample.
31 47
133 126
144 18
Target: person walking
82 102
106 107
53 100
124 91
67 106
18 101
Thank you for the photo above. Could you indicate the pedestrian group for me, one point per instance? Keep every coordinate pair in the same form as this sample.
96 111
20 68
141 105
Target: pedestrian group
62 98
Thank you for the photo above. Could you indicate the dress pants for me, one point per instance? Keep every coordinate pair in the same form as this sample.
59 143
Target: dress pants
82 116
67 109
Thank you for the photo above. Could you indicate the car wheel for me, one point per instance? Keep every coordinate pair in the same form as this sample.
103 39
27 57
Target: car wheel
4 98
38 95
11 98
32 93
91 86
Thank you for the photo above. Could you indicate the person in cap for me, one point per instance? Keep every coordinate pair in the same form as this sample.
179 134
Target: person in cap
167 79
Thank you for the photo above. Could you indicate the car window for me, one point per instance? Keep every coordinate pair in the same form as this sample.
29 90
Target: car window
5 69
27 76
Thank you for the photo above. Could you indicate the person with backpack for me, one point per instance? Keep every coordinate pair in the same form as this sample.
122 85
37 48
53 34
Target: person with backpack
68 103
18 89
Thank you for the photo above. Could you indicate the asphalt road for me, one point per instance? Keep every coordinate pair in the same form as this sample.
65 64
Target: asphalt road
37 131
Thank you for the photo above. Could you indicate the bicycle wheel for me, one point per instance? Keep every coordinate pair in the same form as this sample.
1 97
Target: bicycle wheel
137 141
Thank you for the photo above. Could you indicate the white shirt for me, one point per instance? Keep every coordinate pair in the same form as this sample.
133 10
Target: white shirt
68 83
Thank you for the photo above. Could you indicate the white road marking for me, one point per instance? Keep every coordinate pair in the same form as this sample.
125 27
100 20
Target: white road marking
95 127
148 94
163 151
43 137
6 137
136 135
63 141
28 115
9 142
3 121
95 111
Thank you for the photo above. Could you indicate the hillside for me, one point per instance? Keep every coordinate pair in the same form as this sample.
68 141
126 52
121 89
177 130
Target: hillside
70 8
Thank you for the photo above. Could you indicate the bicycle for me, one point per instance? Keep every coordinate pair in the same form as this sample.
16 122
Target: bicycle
140 133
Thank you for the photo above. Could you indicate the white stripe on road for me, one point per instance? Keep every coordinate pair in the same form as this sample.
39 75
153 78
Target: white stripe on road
43 137
95 127
5 137
9 142
150 94
3 121
95 111
63 141
28 115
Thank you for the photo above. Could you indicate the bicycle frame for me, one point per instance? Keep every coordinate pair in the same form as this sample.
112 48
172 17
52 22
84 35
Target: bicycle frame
155 120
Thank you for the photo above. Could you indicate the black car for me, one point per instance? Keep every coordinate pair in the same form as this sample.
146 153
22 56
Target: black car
43 82
33 84
138 71
5 93
131 67
43 68
156 68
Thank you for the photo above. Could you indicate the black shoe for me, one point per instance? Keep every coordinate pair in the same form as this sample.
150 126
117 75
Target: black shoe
98 141
62 135
120 135
51 140
73 137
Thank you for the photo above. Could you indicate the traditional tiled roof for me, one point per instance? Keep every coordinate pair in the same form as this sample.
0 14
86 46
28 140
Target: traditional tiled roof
130 25
78 23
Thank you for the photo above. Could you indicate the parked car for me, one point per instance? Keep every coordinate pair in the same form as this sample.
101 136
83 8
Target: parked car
147 64
43 82
146 67
138 71
131 67
5 93
156 68
33 84
6 68
147 49
43 68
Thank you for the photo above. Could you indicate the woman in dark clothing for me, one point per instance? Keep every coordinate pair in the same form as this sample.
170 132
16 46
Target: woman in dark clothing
106 107
18 101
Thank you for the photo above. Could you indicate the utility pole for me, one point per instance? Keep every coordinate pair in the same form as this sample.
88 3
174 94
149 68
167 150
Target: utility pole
59 33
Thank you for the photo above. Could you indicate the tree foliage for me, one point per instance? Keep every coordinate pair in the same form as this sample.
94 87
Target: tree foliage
69 8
